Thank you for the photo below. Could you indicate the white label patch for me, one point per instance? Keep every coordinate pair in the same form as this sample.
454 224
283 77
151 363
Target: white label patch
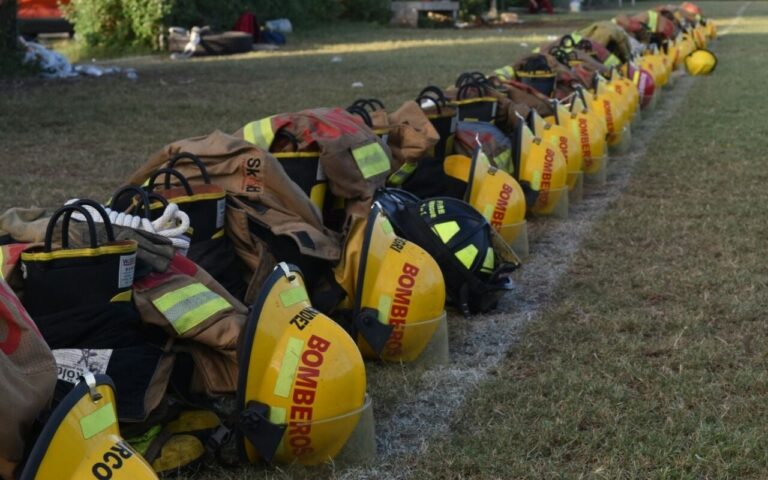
72 363
454 122
221 210
127 268
320 173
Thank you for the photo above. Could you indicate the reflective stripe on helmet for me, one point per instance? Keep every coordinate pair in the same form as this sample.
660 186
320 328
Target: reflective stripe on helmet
489 261
446 230
189 306
467 255
292 296
288 366
371 160
98 421
259 133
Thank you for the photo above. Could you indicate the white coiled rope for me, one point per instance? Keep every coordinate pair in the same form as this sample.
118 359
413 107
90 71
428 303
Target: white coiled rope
172 224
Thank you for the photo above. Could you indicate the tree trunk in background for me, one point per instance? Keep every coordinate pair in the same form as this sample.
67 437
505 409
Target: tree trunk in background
8 42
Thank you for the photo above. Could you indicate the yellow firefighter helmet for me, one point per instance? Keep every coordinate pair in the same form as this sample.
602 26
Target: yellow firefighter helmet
609 106
563 138
626 88
495 194
396 290
700 62
301 386
711 29
82 440
700 35
592 134
542 172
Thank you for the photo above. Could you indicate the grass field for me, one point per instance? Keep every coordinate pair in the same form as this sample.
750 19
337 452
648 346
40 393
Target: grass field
650 360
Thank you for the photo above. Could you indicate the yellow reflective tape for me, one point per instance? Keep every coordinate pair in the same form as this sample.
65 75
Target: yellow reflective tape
488 211
489 261
277 415
218 234
187 307
292 296
612 61
2 262
288 367
385 305
502 160
125 296
98 421
170 299
467 255
371 160
536 180
193 318
296 154
446 230
129 247
402 174
259 133
653 20
506 72
317 194
386 227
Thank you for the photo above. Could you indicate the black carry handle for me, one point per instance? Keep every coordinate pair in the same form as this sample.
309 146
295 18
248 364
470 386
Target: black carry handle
560 55
67 210
362 113
168 172
140 192
438 98
283 133
103 213
195 159
369 103
585 44
471 77
464 89
567 41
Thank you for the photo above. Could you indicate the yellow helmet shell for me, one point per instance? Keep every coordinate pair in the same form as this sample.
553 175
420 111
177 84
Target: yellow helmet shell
700 36
304 367
652 64
590 131
608 104
544 169
492 192
700 62
402 283
82 439
711 30
565 140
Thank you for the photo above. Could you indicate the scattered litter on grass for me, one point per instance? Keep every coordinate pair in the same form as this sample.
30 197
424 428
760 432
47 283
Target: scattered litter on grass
55 65
524 44
357 85
337 59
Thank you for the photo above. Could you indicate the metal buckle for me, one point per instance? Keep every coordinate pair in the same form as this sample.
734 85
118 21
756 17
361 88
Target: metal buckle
90 381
